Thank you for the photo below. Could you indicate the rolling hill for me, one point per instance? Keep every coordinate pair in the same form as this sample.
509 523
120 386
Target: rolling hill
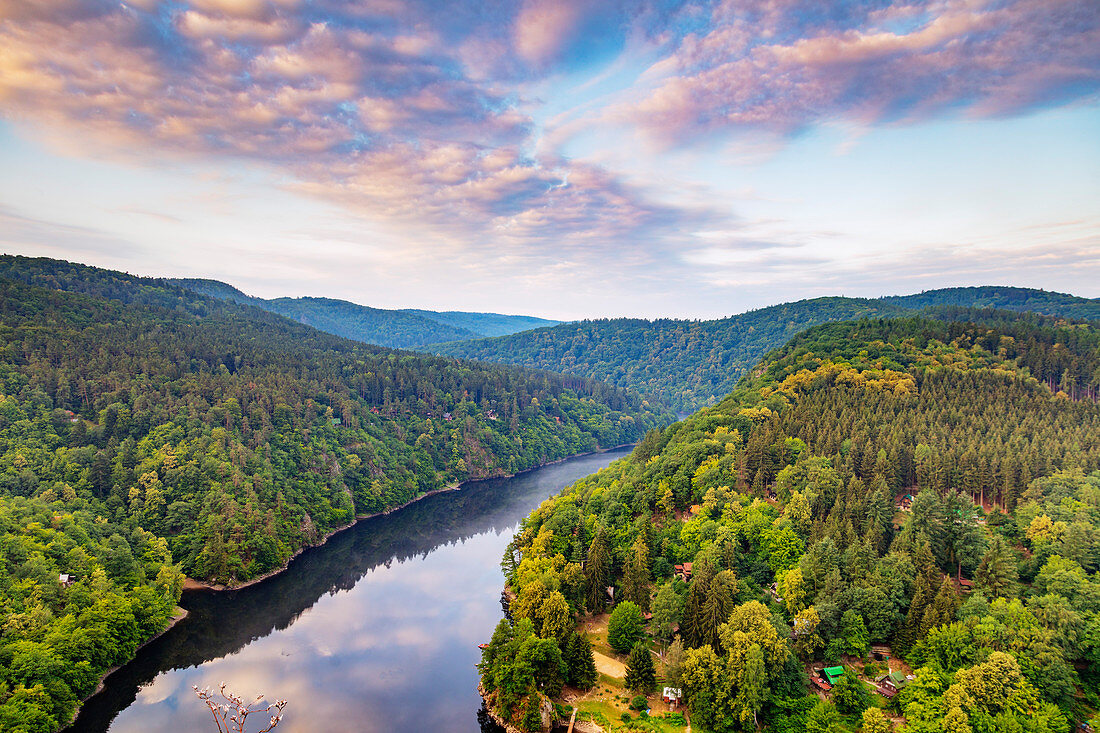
147 431
907 482
398 329
690 364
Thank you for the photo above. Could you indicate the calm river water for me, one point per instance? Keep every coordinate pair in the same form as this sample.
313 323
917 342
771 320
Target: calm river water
377 630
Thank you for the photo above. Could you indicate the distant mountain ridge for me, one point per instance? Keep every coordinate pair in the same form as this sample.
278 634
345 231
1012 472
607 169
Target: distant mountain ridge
398 329
691 364
485 324
1021 300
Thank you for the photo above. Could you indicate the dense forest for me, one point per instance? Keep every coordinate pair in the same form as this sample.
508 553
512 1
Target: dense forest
691 364
684 364
398 329
926 488
78 594
485 324
1021 300
147 431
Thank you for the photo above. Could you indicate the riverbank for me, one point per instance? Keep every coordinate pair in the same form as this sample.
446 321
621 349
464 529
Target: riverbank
425 575
180 615
194 584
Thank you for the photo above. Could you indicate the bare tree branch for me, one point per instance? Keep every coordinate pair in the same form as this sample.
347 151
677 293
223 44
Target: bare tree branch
230 716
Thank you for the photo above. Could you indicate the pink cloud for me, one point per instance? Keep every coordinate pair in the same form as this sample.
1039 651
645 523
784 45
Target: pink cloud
543 27
394 111
759 67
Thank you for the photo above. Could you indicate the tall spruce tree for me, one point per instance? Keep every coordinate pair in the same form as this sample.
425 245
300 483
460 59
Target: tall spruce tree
998 572
635 585
641 675
597 570
580 662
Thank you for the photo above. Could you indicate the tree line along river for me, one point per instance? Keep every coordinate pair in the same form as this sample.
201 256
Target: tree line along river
376 630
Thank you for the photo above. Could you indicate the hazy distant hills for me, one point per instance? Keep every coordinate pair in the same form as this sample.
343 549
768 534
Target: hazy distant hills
689 364
399 329
483 324
1021 300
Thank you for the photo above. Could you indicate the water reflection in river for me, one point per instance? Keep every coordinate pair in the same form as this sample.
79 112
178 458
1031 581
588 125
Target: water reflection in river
375 631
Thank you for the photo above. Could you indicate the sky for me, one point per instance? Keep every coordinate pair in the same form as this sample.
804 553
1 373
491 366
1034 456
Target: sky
561 158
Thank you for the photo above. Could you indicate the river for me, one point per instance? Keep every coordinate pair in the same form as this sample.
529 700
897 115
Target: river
377 630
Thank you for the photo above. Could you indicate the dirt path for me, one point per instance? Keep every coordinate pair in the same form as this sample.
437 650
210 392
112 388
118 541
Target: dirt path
608 666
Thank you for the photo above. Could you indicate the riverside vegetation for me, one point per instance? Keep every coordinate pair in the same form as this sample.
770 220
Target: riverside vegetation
149 432
787 499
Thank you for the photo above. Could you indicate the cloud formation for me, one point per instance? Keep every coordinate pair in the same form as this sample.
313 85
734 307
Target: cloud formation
783 66
430 121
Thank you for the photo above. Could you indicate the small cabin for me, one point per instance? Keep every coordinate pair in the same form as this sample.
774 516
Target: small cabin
892 683
65 580
683 572
832 674
822 684
672 695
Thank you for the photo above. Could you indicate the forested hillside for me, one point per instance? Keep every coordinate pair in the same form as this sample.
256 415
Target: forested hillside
684 364
147 430
485 324
60 634
932 486
240 435
690 364
398 329
1004 298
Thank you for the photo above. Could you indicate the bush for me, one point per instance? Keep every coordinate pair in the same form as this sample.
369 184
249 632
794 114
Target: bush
639 703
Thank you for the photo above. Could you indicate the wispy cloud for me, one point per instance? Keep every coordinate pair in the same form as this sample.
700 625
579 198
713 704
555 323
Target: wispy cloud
424 120
783 66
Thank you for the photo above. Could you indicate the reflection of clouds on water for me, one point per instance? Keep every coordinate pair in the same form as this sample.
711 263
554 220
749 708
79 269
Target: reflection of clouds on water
376 631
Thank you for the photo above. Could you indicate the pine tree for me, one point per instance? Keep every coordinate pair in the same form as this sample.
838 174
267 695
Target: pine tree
580 662
717 607
635 584
641 676
998 571
942 609
760 482
692 627
597 570
923 594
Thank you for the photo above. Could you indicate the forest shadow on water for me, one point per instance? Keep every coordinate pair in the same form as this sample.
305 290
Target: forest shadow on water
377 630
